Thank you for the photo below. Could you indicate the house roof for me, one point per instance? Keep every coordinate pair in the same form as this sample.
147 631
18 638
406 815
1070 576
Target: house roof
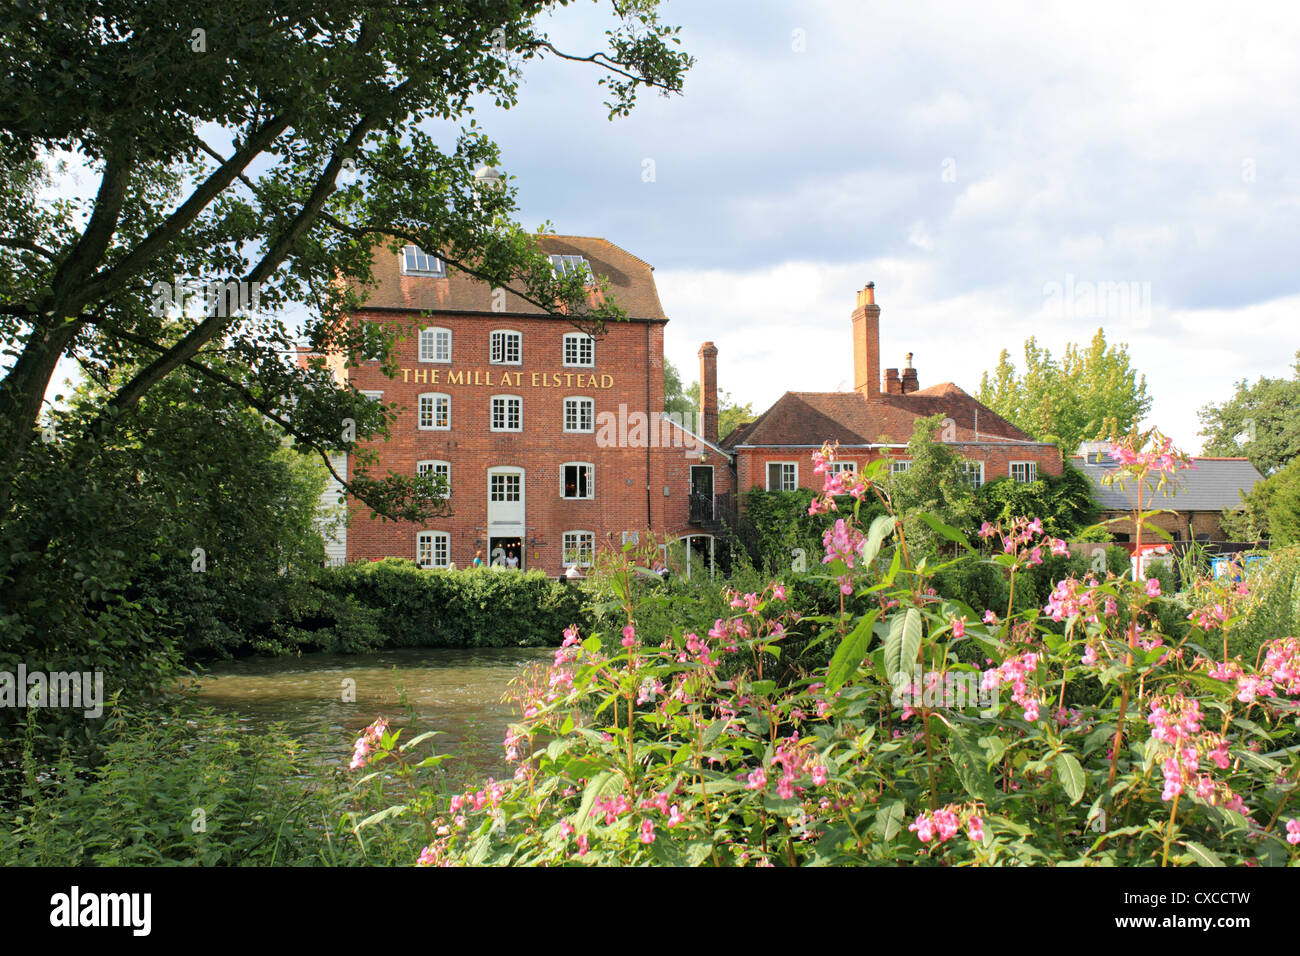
810 418
631 283
1214 484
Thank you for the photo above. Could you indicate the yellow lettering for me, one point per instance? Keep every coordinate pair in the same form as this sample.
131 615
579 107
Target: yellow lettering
567 377
607 381
536 375
421 375
406 375
433 376
456 378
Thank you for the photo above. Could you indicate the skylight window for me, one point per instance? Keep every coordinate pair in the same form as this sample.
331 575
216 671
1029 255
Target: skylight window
568 265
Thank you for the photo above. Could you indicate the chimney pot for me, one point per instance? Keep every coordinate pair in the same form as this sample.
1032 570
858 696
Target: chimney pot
893 386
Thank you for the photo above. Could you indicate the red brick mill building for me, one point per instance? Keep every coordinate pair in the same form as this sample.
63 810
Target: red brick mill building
554 445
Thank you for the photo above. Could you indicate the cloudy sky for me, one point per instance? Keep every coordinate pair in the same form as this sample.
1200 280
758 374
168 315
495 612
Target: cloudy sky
974 161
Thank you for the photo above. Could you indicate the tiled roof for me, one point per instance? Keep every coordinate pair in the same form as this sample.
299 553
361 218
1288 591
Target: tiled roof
631 283
1214 484
810 418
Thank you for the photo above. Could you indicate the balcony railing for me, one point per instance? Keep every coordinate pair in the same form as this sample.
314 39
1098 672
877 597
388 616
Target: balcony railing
701 508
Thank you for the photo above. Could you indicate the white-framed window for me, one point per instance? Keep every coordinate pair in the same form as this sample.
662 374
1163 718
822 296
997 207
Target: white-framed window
433 549
507 347
565 265
436 469
579 548
579 349
899 467
843 467
631 537
1024 471
435 345
973 472
435 411
505 486
374 396
578 480
507 413
417 262
782 475
579 414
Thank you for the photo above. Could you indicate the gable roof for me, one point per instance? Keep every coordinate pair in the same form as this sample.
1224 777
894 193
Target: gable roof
810 418
1214 484
631 283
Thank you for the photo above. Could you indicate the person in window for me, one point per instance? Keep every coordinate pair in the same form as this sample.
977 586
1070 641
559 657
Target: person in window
512 560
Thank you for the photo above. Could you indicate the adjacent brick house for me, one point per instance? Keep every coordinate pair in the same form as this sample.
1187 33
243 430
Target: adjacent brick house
774 451
553 443
1195 497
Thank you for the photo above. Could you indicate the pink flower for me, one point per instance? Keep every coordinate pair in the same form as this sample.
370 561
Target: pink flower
1153 587
819 776
1090 655
674 816
1293 832
990 617
975 829
1060 548
778 592
647 832
629 635
923 828
582 844
757 779
959 627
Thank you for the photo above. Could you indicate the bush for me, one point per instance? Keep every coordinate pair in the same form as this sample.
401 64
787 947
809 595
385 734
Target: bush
185 787
1274 606
644 747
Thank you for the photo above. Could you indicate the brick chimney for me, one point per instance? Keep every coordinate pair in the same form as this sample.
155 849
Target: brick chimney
892 384
866 343
709 392
909 377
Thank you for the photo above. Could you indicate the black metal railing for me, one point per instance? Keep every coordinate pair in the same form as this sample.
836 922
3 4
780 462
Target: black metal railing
701 508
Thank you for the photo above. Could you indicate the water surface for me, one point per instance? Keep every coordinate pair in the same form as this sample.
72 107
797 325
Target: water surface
454 691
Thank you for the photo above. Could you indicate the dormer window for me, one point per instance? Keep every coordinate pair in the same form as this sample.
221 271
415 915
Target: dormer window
416 262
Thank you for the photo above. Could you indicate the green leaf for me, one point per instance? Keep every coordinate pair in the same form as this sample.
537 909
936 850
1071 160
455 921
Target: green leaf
947 530
881 528
1071 776
903 644
972 771
1202 855
849 655
597 787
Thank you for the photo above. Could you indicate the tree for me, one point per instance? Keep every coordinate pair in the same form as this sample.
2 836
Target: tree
266 153
1260 422
934 483
687 402
1091 392
1284 506
1064 502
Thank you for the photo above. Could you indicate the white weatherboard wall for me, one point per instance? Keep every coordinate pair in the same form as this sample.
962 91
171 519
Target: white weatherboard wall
332 516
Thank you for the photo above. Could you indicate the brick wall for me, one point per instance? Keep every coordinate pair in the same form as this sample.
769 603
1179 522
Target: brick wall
628 482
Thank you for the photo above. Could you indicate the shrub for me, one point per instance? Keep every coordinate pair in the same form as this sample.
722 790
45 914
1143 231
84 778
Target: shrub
634 747
187 787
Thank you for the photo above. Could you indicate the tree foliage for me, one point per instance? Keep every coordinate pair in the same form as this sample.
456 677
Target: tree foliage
1089 392
1260 422
935 483
686 401
1064 502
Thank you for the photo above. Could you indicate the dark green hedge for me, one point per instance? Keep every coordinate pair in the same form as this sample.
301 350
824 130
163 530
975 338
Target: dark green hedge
394 603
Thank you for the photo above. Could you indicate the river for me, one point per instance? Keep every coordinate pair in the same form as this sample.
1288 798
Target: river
456 692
